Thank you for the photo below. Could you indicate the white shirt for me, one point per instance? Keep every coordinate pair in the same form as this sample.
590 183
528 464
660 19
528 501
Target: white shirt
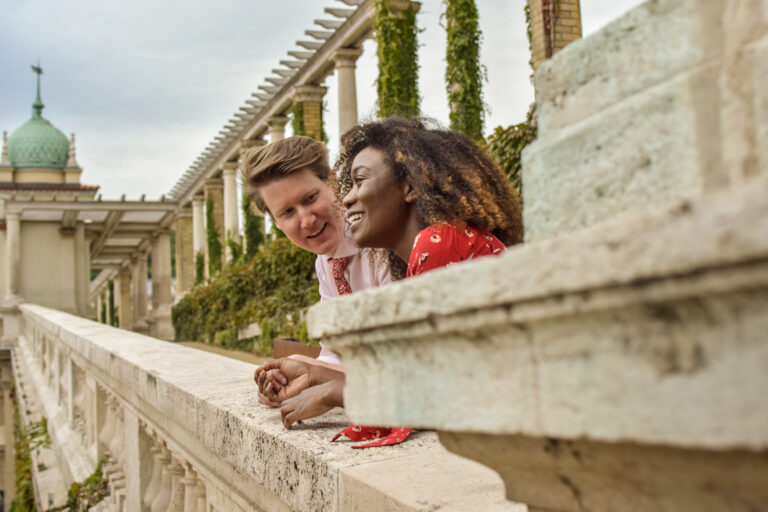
361 274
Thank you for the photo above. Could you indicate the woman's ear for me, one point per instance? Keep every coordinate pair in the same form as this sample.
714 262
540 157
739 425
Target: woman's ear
410 193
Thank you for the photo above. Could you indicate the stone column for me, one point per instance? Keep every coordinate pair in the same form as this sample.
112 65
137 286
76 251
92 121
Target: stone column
13 257
554 24
344 60
162 299
190 489
177 487
185 251
231 203
163 498
311 97
213 189
276 128
124 299
81 273
139 286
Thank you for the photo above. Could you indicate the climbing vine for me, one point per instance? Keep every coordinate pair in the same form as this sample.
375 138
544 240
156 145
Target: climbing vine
26 439
297 118
463 73
397 83
529 33
199 268
112 309
86 494
214 243
253 228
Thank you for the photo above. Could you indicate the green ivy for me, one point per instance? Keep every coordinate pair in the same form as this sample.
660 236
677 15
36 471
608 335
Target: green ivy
199 268
506 146
86 494
214 243
529 33
103 312
273 289
113 321
397 52
463 73
25 440
235 250
297 118
253 228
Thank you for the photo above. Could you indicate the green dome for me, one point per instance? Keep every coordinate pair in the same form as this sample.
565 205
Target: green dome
38 144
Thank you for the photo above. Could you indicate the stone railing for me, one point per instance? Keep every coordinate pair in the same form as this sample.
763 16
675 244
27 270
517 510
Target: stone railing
182 430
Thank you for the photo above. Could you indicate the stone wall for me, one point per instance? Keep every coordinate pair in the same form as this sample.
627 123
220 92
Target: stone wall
179 424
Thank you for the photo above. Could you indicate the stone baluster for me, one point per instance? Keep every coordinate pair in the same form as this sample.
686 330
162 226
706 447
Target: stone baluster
155 479
108 429
200 495
176 470
163 498
190 489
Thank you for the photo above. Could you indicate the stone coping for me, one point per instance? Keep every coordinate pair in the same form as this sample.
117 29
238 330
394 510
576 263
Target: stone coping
206 405
646 328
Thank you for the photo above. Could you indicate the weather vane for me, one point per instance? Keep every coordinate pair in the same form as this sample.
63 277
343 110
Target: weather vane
37 69
37 106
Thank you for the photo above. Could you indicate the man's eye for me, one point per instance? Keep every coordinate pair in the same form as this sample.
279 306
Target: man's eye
287 213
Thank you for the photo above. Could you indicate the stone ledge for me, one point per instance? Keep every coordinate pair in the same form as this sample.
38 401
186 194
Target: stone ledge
206 407
655 334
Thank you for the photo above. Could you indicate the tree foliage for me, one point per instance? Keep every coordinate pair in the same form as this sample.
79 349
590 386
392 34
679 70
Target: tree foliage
273 289
463 73
397 52
506 146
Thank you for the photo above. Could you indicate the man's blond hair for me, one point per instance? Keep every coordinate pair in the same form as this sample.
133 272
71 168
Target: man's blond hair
266 164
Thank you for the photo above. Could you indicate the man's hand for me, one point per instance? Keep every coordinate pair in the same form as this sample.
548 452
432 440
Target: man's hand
313 402
281 379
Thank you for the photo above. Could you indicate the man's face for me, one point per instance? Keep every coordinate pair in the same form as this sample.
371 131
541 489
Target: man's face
302 206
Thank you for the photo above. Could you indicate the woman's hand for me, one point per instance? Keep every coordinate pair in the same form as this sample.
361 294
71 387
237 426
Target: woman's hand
281 379
312 402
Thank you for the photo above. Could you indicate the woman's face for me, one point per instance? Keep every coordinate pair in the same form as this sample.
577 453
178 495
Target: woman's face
377 211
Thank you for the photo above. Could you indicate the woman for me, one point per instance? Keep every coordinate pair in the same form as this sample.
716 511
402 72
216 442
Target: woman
427 198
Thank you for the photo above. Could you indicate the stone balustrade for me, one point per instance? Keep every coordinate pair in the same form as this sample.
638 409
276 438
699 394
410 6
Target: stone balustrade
181 430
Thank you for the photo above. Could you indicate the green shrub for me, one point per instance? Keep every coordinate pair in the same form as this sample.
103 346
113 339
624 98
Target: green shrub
214 243
272 289
397 51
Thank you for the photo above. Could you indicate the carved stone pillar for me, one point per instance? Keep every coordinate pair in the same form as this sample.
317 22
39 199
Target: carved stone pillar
190 489
214 196
13 257
231 203
139 288
124 299
185 251
276 128
82 278
162 299
200 494
311 99
177 487
155 479
163 498
344 60
198 226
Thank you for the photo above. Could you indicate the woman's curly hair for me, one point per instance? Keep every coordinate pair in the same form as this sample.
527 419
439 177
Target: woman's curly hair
455 179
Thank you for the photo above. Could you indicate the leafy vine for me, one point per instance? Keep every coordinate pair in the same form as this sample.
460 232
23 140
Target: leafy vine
397 83
463 73
214 242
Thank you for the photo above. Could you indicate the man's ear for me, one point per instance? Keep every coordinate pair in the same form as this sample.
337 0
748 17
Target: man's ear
410 193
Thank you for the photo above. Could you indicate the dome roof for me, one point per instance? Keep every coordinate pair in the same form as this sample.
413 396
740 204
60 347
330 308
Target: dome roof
38 144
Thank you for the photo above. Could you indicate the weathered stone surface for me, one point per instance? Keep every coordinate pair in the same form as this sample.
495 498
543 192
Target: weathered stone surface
655 334
205 407
663 104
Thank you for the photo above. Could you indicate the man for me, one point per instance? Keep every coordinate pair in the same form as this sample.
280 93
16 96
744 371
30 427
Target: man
289 180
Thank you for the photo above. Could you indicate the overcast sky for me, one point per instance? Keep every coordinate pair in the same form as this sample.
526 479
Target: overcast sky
147 84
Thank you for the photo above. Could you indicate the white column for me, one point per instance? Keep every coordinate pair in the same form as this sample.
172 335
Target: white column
81 274
198 225
231 228
276 128
162 299
177 487
190 484
13 257
163 498
344 60
139 288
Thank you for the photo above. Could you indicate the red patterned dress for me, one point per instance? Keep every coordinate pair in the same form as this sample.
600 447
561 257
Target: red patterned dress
439 245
